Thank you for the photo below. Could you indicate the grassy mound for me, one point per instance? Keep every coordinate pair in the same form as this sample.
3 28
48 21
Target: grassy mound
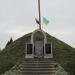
13 54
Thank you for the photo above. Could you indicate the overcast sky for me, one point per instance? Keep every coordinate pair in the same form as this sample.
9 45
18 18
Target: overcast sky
16 19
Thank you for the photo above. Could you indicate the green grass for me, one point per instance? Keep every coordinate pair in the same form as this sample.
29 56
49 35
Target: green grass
13 54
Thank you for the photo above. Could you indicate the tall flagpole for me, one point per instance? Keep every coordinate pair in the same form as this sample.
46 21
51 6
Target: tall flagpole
39 14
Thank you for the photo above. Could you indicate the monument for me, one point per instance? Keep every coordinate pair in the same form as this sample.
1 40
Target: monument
39 47
38 54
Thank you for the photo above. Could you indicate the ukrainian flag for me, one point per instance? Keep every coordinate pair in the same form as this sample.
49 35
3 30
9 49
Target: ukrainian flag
45 21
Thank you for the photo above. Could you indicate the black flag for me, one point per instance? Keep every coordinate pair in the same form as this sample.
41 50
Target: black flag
37 21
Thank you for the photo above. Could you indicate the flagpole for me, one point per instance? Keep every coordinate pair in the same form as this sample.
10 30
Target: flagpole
39 14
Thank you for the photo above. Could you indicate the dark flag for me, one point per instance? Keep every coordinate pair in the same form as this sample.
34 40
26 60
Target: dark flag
37 21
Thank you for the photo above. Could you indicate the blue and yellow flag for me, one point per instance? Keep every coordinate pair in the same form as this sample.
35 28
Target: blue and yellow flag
45 21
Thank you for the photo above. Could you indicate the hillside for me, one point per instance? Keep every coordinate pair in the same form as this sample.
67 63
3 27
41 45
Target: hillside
15 52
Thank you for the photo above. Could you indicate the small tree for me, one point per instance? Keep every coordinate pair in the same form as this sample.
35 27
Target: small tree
9 42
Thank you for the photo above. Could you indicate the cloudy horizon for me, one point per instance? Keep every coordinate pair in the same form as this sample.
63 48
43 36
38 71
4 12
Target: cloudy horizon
16 19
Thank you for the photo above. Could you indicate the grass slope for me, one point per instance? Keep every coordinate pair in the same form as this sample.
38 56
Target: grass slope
13 54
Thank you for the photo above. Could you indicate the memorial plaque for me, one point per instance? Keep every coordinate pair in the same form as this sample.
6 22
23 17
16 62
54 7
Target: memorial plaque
29 48
48 48
39 49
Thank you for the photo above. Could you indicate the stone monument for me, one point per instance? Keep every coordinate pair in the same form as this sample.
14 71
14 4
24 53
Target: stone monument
38 46
38 54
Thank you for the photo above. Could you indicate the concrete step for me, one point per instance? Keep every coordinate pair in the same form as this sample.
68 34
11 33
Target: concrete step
37 72
37 67
38 60
38 64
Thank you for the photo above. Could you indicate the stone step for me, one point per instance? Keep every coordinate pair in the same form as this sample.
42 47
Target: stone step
39 60
37 72
38 66
39 63
39 69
